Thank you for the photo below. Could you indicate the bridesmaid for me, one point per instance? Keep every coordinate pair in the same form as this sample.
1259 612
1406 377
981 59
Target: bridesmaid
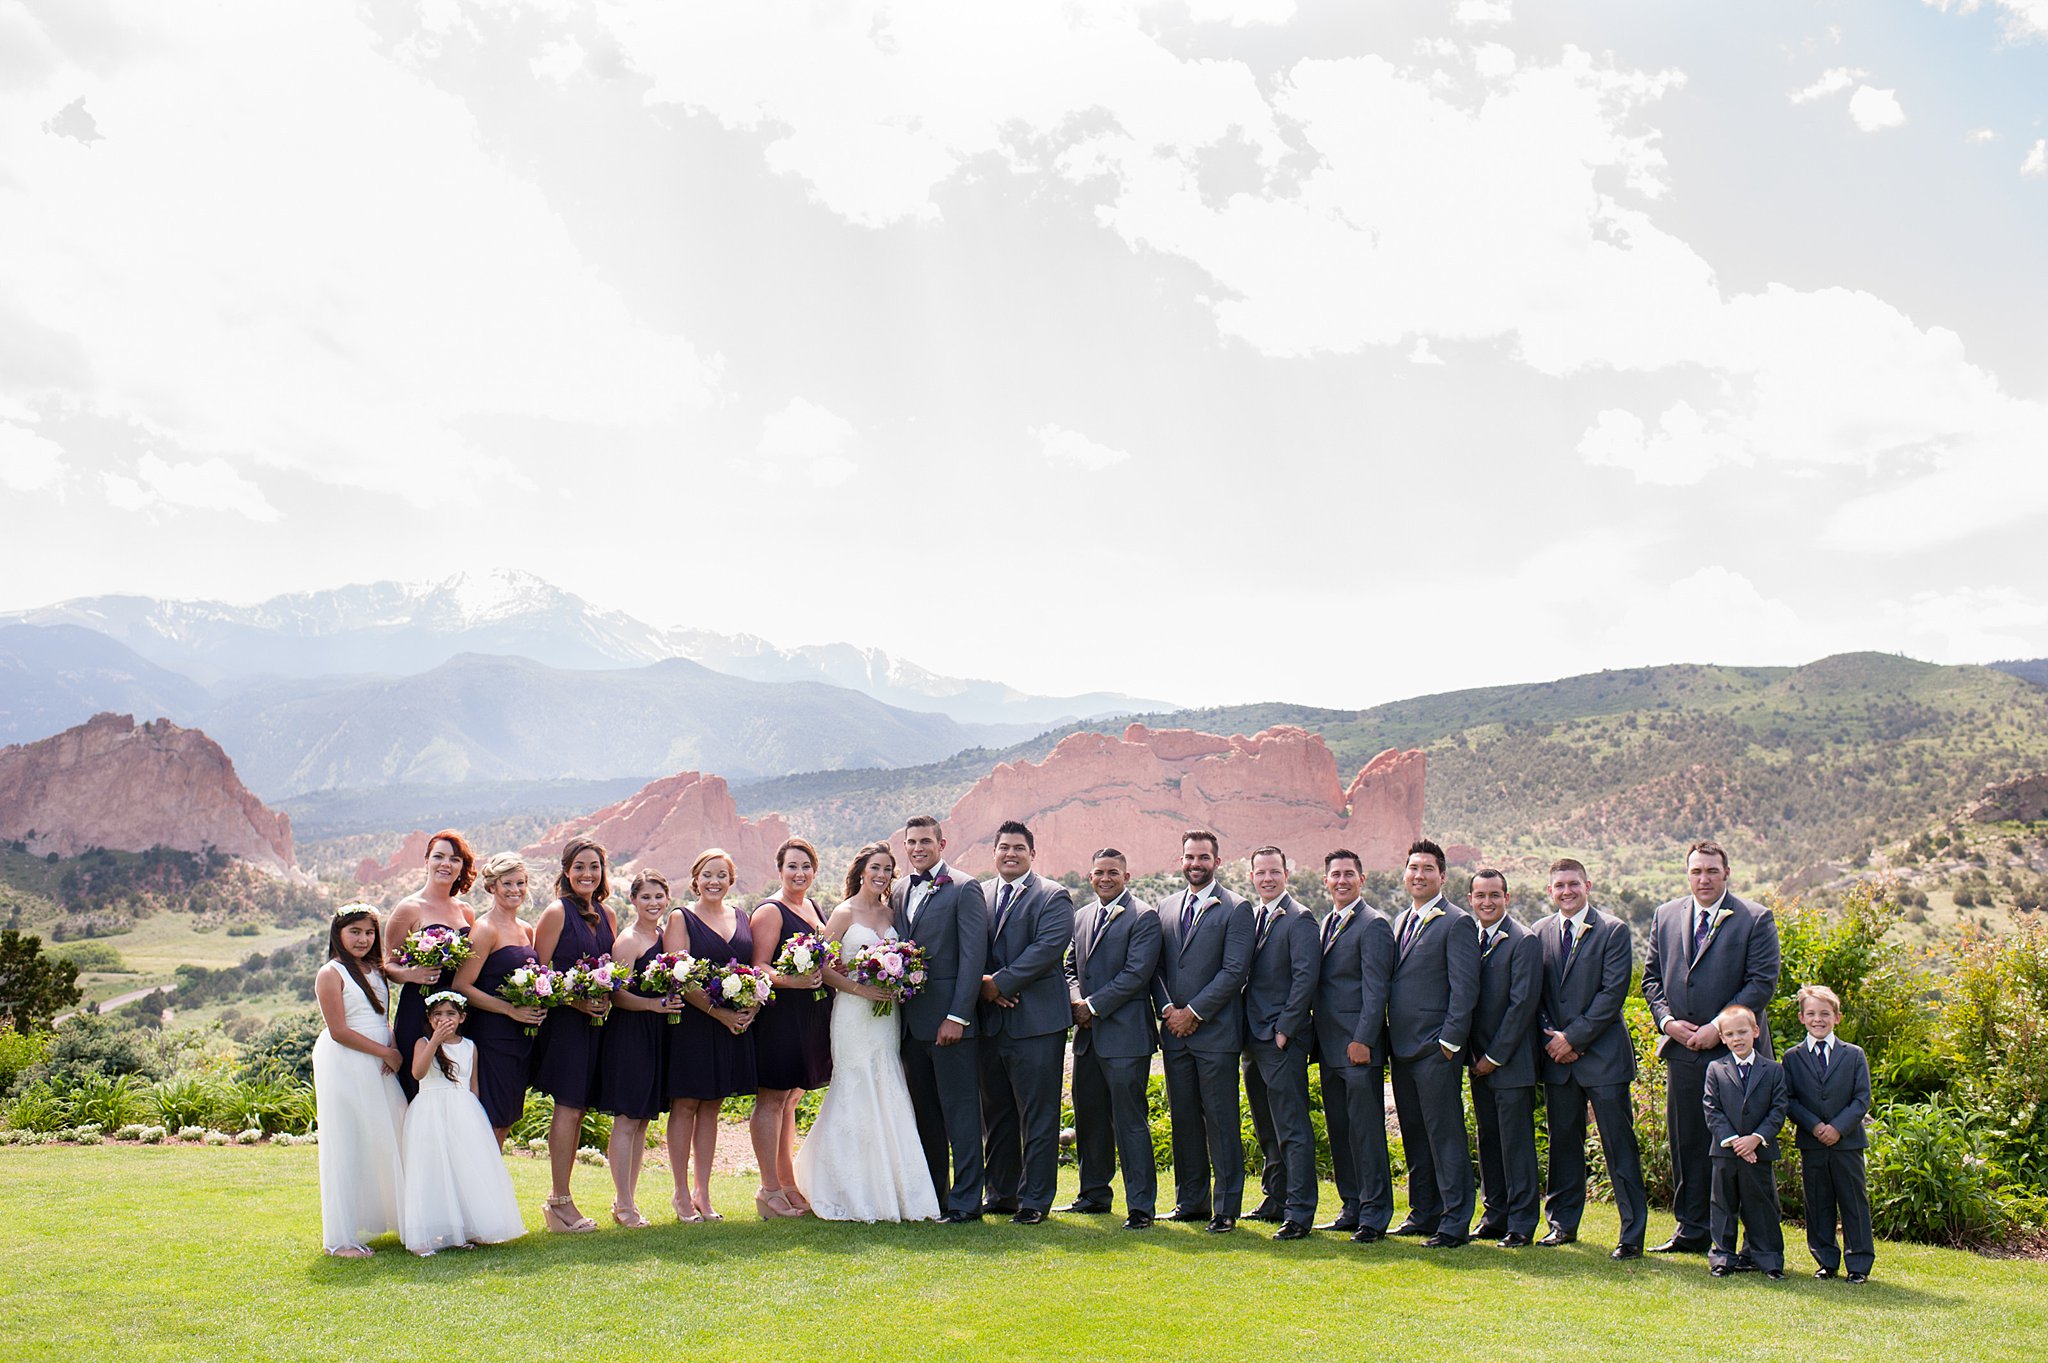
632 1075
498 1028
565 1054
451 870
711 1056
793 1039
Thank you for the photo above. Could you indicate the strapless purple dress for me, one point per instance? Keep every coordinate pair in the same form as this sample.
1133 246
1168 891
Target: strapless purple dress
565 1054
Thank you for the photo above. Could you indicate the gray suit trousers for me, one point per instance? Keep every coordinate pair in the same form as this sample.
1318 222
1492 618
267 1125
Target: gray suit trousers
1111 1125
1692 1148
1355 1113
1566 1201
1429 1099
1276 1091
1020 1117
1208 1132
945 1095
1506 1118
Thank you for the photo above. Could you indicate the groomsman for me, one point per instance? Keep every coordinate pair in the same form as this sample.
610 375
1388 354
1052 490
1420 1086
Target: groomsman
1708 951
1277 997
1588 1059
1205 954
1109 987
1024 1016
943 912
1350 1037
1503 1059
1434 989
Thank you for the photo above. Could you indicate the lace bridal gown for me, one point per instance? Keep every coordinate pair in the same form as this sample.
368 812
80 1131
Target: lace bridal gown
862 1160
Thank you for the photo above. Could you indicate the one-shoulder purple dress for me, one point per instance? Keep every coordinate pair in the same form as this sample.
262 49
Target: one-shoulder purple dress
409 1023
503 1049
632 1071
704 1059
793 1035
565 1054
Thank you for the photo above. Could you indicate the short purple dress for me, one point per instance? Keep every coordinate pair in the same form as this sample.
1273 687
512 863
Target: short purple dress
793 1035
565 1054
632 1073
704 1059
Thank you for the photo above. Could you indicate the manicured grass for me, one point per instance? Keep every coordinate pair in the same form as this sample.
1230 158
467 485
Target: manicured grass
181 1253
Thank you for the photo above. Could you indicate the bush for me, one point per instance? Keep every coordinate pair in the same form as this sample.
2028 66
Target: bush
108 1102
271 1102
1998 1035
285 1046
88 1045
183 1103
151 1135
1929 1179
192 1133
38 1108
99 956
532 1124
19 1052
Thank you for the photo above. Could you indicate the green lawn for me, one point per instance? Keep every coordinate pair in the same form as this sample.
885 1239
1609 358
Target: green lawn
183 1253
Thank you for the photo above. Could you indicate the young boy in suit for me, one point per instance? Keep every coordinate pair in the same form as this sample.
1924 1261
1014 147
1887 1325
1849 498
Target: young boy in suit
1745 1106
1827 1093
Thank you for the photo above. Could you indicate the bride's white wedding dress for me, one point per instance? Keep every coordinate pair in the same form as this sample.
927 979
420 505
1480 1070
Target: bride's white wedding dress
862 1160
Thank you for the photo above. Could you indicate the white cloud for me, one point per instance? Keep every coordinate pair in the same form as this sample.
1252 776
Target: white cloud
1240 13
2023 19
1876 110
1682 450
29 461
205 485
1978 136
1062 446
1831 82
808 442
1420 353
1982 623
558 60
1478 13
2036 163
1722 602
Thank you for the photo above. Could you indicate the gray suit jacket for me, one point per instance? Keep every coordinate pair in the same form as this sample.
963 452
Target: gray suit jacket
1026 958
1841 1099
952 927
1205 972
1583 999
1731 1112
1739 965
1351 988
1435 985
1111 965
1281 987
1510 990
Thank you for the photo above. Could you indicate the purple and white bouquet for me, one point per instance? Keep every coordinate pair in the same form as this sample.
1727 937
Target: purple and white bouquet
532 985
670 974
589 980
433 947
803 953
896 968
738 987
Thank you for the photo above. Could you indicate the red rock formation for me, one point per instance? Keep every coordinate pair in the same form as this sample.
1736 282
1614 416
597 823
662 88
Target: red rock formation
114 783
665 824
1141 792
408 864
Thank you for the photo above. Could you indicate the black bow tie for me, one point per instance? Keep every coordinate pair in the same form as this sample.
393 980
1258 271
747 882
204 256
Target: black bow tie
920 878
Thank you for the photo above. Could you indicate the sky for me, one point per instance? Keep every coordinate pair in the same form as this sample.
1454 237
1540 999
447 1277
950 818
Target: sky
1214 350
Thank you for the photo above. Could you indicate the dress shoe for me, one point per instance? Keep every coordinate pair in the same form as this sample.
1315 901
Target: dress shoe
1138 1221
1627 1252
1678 1244
1292 1230
1823 1273
1489 1230
1743 1266
1186 1214
1514 1239
1720 1270
1221 1224
1345 1224
959 1218
1267 1211
1410 1227
998 1209
1027 1216
1558 1237
1776 1275
1443 1241
1365 1235
1859 1277
1079 1208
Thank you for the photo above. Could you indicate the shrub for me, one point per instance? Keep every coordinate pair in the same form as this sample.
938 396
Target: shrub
90 1136
216 1138
99 956
131 1132
39 1108
91 1045
18 1052
286 1046
1929 1179
108 1102
253 1136
183 1103
151 1135
192 1133
532 1125
270 1103
1998 1035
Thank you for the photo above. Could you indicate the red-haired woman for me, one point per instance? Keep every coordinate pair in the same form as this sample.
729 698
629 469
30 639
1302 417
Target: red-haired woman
451 870
575 926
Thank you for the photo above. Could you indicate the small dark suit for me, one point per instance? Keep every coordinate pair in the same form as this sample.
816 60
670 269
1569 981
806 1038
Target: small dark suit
1430 998
1584 989
951 924
1023 1042
1742 1191
1203 962
1832 1176
1351 1005
1110 968
1504 1101
1277 997
1739 964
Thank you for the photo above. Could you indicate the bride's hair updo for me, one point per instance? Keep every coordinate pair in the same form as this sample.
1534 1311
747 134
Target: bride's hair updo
859 869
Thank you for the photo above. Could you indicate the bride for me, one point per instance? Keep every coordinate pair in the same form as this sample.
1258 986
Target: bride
862 1160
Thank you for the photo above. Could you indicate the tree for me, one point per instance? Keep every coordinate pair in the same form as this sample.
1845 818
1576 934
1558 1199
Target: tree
33 987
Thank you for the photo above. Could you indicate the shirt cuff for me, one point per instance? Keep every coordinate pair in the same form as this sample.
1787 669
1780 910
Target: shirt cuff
962 1021
1491 1061
1448 1048
1089 1004
1198 1016
1729 1141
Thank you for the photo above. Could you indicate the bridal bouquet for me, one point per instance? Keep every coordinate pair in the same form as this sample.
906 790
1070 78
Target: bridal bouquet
895 968
532 985
738 987
433 948
803 953
589 980
670 974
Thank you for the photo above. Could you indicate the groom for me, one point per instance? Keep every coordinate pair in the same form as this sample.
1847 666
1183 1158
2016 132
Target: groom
944 913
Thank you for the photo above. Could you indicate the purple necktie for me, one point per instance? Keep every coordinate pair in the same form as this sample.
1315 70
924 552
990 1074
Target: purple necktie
1702 927
1003 899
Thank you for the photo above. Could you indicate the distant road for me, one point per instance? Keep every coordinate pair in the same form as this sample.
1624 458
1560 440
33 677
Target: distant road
109 1005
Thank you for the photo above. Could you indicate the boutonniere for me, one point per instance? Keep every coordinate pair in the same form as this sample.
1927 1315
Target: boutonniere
1430 915
1109 914
941 881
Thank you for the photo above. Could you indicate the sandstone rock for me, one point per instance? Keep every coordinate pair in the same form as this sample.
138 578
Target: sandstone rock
665 824
1139 793
113 783
408 865
2023 799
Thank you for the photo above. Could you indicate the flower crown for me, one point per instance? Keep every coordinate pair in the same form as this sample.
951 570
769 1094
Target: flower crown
355 907
447 996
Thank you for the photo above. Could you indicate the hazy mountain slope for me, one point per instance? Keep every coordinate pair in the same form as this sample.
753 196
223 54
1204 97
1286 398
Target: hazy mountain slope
53 677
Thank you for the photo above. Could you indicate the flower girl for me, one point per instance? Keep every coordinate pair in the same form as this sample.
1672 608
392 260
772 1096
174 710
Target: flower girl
359 1104
457 1193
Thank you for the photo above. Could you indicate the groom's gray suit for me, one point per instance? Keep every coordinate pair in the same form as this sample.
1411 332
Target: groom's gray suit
1022 1044
945 1083
1203 963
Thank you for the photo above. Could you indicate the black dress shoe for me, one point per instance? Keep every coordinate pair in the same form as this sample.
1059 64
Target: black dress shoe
1365 1235
1220 1224
1345 1224
1823 1273
998 1209
1079 1208
1027 1216
1138 1221
1627 1252
1558 1237
1489 1230
959 1218
1859 1277
1743 1266
1776 1275
1292 1230
1266 1211
1678 1244
1443 1241
1186 1214
1410 1227
1720 1270
1514 1239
